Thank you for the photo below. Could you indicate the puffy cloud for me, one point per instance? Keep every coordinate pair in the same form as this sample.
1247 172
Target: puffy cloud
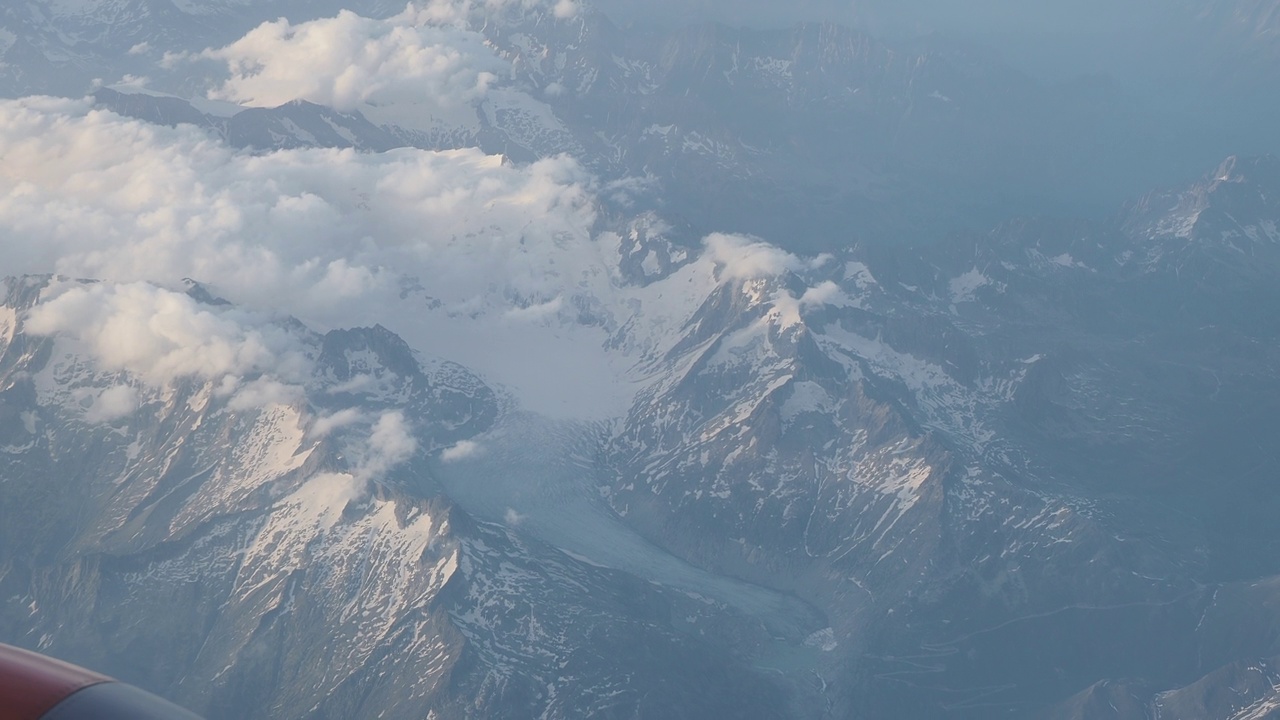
461 451
261 392
84 192
742 258
461 253
538 312
565 9
787 308
429 244
825 293
160 337
347 60
327 424
112 404
391 443
495 265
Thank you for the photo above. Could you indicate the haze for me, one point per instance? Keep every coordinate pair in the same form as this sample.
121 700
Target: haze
1052 38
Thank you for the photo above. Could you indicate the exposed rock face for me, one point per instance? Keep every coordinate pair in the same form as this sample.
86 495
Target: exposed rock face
1025 473
871 454
922 483
236 558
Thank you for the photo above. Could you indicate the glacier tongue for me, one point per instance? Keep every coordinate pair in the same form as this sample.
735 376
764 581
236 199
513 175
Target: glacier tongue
542 478
309 542
583 348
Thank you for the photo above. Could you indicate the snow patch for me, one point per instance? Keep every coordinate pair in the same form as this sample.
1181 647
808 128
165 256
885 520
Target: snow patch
806 397
860 275
824 639
8 326
1065 260
964 286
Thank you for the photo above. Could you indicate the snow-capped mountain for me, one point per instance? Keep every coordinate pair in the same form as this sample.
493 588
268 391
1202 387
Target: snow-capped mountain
475 416
243 517
865 484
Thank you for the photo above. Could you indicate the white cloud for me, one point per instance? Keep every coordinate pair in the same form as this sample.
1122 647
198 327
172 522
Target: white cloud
261 392
112 404
328 423
787 307
742 258
161 336
565 9
391 443
86 193
356 384
331 237
819 260
347 60
825 293
492 264
536 312
461 451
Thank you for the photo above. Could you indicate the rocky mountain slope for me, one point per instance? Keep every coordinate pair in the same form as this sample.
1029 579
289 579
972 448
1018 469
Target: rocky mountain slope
1014 481
593 461
196 539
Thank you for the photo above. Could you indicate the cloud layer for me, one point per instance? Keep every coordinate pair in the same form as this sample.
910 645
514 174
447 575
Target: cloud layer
504 268
464 254
500 267
161 336
87 193
346 60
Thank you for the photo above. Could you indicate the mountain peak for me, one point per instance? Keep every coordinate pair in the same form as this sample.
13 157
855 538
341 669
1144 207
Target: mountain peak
1237 202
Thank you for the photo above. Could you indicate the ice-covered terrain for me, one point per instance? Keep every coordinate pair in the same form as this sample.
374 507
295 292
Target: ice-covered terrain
400 362
542 478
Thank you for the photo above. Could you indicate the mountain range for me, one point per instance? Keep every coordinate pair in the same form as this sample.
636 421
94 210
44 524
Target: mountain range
934 448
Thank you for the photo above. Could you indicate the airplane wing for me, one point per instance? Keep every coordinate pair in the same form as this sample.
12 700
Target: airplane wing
37 687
